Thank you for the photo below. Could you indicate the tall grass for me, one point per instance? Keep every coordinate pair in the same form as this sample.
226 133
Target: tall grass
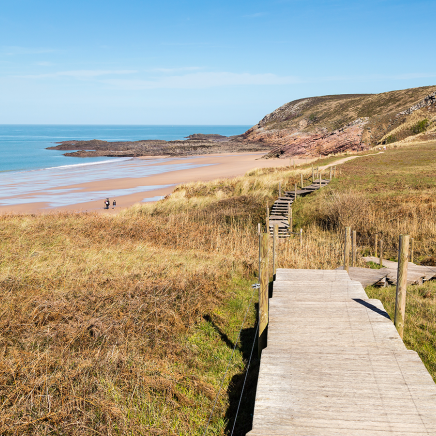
125 324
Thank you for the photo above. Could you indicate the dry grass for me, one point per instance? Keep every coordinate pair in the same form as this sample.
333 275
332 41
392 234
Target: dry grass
125 324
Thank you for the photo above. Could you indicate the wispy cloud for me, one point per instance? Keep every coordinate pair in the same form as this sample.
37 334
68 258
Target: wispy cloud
77 74
174 70
203 80
44 64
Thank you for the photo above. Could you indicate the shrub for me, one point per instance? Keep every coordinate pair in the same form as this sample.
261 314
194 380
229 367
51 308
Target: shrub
420 126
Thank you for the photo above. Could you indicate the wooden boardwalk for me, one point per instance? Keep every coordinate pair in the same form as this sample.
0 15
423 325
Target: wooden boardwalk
279 210
336 366
416 274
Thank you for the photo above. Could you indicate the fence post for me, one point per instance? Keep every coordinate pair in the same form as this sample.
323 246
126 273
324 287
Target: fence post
400 299
301 238
263 292
301 180
334 172
347 249
412 241
381 252
354 248
259 232
295 195
375 244
275 244
267 219
290 223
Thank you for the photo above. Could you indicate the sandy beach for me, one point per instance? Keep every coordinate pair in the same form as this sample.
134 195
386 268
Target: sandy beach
128 187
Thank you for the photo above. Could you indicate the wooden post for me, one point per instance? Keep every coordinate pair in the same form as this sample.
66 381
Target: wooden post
280 189
353 249
347 249
295 195
381 252
263 292
258 228
412 241
260 239
375 244
267 219
290 217
301 180
301 238
330 176
400 299
275 244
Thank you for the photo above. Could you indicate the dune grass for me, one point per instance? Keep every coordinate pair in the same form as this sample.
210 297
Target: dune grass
125 324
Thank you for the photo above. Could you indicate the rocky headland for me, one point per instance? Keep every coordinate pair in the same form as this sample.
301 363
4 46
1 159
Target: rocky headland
337 123
196 144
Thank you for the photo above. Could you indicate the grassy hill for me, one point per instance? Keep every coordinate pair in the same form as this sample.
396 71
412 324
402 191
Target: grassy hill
332 123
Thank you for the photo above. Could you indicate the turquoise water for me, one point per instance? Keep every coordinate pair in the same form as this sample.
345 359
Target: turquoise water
23 147
31 174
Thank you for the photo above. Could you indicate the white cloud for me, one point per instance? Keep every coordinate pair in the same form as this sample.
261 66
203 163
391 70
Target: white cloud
203 80
174 70
77 74
44 64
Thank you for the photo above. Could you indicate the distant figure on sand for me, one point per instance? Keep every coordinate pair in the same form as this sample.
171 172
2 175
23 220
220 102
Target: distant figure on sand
107 203
114 204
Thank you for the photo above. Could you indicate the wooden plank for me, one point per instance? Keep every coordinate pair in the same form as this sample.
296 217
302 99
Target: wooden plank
335 365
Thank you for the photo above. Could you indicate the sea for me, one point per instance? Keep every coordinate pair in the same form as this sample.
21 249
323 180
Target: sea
29 173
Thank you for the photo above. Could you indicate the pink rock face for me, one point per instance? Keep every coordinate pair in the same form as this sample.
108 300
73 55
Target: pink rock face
286 143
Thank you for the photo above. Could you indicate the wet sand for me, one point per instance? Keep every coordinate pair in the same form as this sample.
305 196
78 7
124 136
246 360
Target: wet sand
150 188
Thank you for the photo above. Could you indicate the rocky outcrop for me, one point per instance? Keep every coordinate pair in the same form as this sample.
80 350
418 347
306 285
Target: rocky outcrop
198 145
429 100
340 140
288 142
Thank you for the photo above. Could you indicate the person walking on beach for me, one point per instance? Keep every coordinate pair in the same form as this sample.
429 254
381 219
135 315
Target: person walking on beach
107 203
114 204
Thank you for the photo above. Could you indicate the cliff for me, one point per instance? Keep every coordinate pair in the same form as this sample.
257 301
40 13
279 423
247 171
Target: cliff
337 123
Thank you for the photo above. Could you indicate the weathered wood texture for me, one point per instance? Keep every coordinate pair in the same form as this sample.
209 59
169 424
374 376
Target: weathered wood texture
335 364
400 301
416 274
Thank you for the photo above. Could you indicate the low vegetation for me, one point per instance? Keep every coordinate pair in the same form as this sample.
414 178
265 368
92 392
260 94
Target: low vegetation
125 324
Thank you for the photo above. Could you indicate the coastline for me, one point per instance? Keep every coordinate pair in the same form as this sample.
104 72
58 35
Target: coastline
155 185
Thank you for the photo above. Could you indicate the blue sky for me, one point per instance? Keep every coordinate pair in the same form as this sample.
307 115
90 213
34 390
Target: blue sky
200 62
